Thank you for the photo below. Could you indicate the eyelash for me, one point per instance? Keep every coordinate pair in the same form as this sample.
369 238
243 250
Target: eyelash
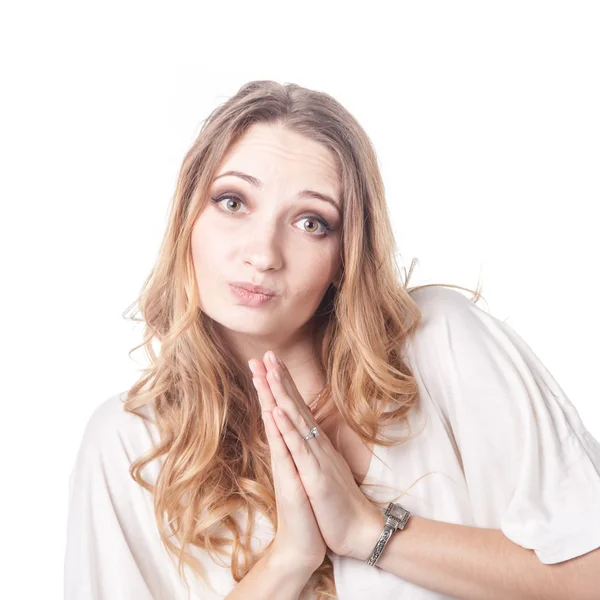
234 197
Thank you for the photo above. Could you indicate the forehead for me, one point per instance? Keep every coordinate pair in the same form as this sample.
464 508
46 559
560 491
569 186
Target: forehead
271 152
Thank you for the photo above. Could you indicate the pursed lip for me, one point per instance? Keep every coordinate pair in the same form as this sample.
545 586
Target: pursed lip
256 289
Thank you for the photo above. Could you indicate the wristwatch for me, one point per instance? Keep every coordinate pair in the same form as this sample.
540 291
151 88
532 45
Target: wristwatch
396 517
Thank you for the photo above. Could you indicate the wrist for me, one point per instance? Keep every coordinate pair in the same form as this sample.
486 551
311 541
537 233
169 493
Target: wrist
289 565
372 526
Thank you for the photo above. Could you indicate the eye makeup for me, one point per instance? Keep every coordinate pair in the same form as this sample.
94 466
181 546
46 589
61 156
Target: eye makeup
217 200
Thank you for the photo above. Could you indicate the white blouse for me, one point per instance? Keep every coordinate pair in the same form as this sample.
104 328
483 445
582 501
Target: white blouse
507 449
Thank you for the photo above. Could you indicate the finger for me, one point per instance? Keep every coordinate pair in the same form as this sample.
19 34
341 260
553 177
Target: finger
259 374
285 473
296 414
303 456
265 397
267 366
279 450
286 395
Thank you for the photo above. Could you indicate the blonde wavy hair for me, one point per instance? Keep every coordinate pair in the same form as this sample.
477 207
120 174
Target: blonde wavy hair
212 441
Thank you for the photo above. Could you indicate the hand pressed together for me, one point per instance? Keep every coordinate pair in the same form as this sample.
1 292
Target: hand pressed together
344 515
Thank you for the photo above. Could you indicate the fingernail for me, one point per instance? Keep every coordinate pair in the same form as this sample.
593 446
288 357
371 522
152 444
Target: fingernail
252 367
273 358
255 383
277 375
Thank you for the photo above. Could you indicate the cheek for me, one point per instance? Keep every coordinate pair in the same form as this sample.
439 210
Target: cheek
318 263
206 244
198 242
312 273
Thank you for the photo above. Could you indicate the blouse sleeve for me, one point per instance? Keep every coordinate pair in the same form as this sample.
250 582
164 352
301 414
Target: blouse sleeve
111 550
531 467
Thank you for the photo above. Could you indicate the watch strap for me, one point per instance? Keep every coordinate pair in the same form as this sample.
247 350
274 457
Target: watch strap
396 517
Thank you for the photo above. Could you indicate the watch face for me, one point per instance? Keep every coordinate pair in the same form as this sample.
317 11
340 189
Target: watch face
395 510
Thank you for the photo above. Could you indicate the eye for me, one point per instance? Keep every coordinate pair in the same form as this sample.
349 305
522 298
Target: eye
234 198
219 200
320 222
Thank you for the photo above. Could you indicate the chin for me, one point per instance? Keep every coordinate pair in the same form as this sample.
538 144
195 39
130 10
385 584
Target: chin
243 322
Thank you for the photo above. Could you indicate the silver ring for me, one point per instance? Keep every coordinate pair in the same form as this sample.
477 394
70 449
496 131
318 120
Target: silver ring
313 433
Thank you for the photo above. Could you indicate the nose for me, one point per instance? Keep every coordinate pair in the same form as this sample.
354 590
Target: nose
261 246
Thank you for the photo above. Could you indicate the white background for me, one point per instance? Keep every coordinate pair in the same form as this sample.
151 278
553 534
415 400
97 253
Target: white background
486 123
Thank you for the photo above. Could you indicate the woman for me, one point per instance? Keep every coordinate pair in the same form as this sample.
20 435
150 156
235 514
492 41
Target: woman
190 484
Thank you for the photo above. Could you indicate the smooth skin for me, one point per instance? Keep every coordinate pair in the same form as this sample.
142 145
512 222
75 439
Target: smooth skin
298 539
313 469
267 231
269 235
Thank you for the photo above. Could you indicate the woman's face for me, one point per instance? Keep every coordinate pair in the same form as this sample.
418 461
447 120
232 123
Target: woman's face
269 233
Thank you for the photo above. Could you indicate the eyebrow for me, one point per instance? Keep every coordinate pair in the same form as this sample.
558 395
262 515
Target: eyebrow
257 183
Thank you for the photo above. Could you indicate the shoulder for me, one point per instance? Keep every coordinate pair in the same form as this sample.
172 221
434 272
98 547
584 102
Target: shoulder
462 349
436 295
442 308
112 430
456 337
